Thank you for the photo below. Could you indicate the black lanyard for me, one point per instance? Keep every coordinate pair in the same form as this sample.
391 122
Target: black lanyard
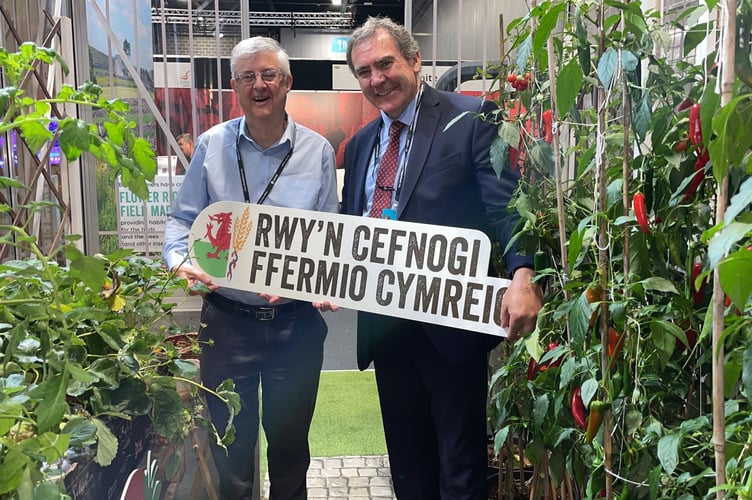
276 175
408 144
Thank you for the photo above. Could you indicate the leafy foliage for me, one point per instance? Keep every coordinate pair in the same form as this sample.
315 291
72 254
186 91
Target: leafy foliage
621 111
83 343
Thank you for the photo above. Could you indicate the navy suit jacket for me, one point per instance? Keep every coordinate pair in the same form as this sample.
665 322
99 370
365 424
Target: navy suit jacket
448 181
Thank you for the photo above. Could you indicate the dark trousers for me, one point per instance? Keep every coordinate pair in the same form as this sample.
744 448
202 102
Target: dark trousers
434 414
284 355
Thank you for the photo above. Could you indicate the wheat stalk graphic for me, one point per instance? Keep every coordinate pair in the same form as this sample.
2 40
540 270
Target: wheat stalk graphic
241 231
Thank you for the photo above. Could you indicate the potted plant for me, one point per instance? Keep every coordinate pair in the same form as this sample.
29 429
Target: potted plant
82 338
623 154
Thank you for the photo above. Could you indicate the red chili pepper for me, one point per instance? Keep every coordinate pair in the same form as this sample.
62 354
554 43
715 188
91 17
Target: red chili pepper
698 176
685 104
532 369
638 205
615 343
578 409
697 293
695 127
548 133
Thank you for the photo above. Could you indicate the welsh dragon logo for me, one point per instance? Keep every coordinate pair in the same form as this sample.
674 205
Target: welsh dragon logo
217 251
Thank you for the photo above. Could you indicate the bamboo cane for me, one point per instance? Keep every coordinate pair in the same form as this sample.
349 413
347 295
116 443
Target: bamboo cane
727 55
603 260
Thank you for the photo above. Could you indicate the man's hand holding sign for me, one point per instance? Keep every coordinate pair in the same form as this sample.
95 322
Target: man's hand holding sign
416 271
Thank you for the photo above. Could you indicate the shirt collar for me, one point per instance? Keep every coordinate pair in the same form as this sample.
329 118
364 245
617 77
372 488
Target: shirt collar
407 115
286 136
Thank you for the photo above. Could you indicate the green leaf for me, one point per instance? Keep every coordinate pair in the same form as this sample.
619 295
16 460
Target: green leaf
499 153
664 335
540 409
589 389
74 138
642 117
523 52
52 404
90 270
14 463
568 85
455 120
659 284
509 132
567 372
107 444
35 133
732 372
583 45
747 371
633 421
607 66
547 23
629 60
739 201
80 374
726 239
500 439
579 316
185 369
575 245
668 452
542 156
730 269
81 431
694 36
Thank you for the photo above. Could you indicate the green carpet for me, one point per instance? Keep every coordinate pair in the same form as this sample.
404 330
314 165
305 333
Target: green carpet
347 420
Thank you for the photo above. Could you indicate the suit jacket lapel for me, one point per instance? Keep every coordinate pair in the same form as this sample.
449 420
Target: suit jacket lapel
366 140
425 132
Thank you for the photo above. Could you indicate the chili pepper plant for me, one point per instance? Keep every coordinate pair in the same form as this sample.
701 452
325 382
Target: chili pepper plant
625 158
82 337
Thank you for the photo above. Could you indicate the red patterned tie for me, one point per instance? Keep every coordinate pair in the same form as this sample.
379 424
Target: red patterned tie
382 193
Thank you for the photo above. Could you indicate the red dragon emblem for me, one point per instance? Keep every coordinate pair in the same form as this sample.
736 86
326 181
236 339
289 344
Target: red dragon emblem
222 236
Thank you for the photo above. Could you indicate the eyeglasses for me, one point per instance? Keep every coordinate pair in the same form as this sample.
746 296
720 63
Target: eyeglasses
247 78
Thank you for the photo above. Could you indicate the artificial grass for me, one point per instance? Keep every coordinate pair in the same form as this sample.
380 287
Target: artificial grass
347 419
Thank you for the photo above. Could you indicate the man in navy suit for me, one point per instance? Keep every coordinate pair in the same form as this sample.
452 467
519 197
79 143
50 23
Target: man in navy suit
432 380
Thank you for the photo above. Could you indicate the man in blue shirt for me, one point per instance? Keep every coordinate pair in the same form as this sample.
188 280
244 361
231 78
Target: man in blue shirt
262 157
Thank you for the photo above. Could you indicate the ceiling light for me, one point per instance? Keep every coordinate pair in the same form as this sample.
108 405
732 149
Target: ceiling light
336 2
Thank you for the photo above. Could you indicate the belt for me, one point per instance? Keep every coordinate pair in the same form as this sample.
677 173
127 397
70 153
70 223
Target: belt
259 313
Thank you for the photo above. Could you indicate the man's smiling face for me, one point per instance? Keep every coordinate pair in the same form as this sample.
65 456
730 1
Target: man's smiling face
388 80
261 99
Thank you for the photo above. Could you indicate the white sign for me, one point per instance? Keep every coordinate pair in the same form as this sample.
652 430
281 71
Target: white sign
144 220
424 272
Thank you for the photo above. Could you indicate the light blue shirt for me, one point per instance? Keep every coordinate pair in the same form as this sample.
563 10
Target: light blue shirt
408 117
307 182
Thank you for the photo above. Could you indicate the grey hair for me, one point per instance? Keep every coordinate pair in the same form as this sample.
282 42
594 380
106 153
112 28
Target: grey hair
406 44
249 47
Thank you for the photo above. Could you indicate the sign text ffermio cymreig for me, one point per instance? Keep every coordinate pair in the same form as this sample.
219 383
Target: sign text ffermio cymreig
424 272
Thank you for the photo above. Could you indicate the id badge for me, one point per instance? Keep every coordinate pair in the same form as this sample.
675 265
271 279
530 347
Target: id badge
389 214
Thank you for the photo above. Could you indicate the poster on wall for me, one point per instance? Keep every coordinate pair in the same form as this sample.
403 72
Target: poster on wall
142 222
120 36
